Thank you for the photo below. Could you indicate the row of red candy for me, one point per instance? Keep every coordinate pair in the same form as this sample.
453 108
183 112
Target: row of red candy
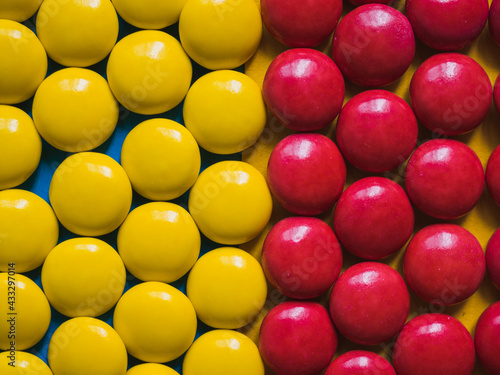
377 132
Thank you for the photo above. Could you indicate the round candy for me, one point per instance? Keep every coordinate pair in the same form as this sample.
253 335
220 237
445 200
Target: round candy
20 147
149 72
90 193
220 34
301 257
496 91
444 178
83 277
23 65
156 321
373 218
297 338
360 362
494 21
376 131
487 338
161 158
78 340
363 2
149 14
230 202
306 173
304 89
454 264
434 344
492 175
25 311
227 288
493 258
450 93
460 23
77 33
301 23
369 303
373 45
29 230
61 110
223 352
159 241
225 111
23 363
151 369
18 10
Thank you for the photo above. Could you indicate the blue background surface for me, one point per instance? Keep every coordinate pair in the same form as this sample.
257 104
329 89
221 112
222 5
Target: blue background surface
39 184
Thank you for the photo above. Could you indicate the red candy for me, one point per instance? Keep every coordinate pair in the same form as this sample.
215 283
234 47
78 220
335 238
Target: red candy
494 20
493 258
450 93
369 303
304 89
306 173
444 178
376 131
301 257
373 45
496 92
447 25
493 175
360 362
444 264
373 218
363 2
304 23
297 338
434 344
487 338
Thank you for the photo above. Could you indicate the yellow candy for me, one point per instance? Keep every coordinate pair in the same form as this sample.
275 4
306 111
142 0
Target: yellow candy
20 147
90 193
24 310
156 321
22 363
74 110
77 32
223 352
18 10
28 230
227 287
159 241
151 369
83 277
220 34
225 111
161 158
230 202
23 62
149 72
83 346
149 14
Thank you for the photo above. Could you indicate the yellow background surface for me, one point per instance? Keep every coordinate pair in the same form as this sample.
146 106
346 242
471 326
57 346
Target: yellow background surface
482 221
